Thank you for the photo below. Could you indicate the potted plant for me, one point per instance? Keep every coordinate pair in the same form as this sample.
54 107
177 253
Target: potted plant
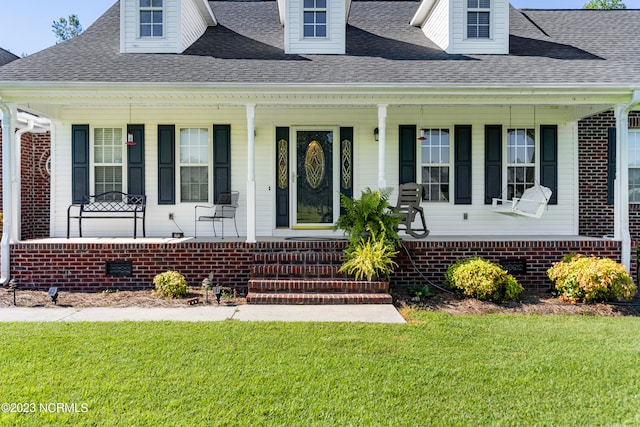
372 233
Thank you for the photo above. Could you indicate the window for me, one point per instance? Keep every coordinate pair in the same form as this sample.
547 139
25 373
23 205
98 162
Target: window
634 166
478 19
151 18
108 149
521 154
315 18
194 165
435 149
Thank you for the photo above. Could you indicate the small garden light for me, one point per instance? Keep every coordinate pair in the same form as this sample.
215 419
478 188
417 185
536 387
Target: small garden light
216 291
206 285
53 293
13 286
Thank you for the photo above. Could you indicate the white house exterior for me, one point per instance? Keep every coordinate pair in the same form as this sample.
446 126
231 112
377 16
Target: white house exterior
484 91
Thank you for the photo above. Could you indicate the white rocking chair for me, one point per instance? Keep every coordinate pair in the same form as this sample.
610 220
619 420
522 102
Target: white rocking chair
532 204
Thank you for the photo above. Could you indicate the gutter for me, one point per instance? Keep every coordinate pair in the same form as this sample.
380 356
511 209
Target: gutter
7 214
622 118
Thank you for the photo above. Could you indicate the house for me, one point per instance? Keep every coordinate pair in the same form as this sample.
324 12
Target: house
293 102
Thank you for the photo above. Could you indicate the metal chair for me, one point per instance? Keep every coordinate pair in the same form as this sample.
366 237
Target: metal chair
225 208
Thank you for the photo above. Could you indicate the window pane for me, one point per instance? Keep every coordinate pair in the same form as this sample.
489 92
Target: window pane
309 17
321 17
145 3
485 4
194 184
157 31
157 3
309 4
145 17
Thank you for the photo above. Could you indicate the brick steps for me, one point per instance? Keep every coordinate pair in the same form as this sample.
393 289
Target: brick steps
309 276
292 298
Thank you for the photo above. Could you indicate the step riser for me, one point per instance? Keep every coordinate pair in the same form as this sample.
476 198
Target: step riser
326 286
296 270
299 258
318 299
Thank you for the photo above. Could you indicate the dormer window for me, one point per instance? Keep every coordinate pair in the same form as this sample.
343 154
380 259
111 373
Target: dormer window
315 19
151 18
478 19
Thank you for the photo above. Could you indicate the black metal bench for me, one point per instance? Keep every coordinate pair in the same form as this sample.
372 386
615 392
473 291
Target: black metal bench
121 204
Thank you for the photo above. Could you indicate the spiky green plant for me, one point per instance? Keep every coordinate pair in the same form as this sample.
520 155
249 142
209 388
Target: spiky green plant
372 256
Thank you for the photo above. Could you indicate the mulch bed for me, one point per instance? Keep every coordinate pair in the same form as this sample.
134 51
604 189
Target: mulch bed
531 302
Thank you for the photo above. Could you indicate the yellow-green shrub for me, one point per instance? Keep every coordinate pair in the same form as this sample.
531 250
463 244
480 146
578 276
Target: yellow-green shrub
170 284
483 280
370 257
580 278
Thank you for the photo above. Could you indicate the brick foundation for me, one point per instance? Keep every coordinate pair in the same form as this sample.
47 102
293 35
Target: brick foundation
81 267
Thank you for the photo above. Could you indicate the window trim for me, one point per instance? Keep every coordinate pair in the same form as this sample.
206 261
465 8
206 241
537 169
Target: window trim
478 10
93 164
636 133
161 9
180 164
314 10
421 164
507 164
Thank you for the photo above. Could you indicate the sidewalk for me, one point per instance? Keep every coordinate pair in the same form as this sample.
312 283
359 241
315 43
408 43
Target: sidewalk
370 313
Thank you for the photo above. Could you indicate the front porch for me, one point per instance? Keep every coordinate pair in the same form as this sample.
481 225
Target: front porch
97 264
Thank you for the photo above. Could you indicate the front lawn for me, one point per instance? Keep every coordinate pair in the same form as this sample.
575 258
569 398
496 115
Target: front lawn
440 370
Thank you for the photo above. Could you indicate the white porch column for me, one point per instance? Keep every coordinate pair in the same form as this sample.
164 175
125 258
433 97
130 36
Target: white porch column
621 187
8 125
382 145
251 173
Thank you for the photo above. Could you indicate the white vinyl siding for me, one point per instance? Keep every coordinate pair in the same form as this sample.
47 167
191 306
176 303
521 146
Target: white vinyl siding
497 41
130 38
444 219
193 23
333 43
437 25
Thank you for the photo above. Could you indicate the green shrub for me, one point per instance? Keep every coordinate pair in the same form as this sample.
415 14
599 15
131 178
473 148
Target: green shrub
368 215
580 278
420 292
483 280
170 284
369 257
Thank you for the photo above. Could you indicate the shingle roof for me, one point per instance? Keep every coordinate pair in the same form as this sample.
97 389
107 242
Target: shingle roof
547 47
6 57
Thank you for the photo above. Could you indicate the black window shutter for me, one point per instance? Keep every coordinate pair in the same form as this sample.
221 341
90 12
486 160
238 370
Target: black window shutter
135 161
462 164
221 160
611 164
549 160
407 154
282 177
79 162
166 164
492 162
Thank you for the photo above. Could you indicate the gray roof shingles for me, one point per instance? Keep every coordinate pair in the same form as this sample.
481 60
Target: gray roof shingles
6 57
546 47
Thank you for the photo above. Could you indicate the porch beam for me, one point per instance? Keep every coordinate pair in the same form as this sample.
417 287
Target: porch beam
251 173
382 145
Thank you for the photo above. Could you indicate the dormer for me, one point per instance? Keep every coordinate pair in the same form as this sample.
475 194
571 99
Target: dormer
314 26
466 27
162 26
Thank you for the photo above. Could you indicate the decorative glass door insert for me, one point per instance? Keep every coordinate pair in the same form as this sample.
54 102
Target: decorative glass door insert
315 181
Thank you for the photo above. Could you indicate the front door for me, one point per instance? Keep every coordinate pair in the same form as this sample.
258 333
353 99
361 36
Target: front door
314 203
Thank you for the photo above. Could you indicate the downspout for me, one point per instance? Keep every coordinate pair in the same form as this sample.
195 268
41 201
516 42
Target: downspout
622 200
7 216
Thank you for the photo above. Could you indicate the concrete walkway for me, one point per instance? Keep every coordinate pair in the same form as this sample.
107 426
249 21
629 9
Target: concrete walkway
371 313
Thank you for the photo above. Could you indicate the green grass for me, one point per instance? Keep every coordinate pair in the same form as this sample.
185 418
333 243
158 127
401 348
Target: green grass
439 370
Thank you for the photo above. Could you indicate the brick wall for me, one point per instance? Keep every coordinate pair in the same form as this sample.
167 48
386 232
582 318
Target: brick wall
81 267
36 184
596 216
